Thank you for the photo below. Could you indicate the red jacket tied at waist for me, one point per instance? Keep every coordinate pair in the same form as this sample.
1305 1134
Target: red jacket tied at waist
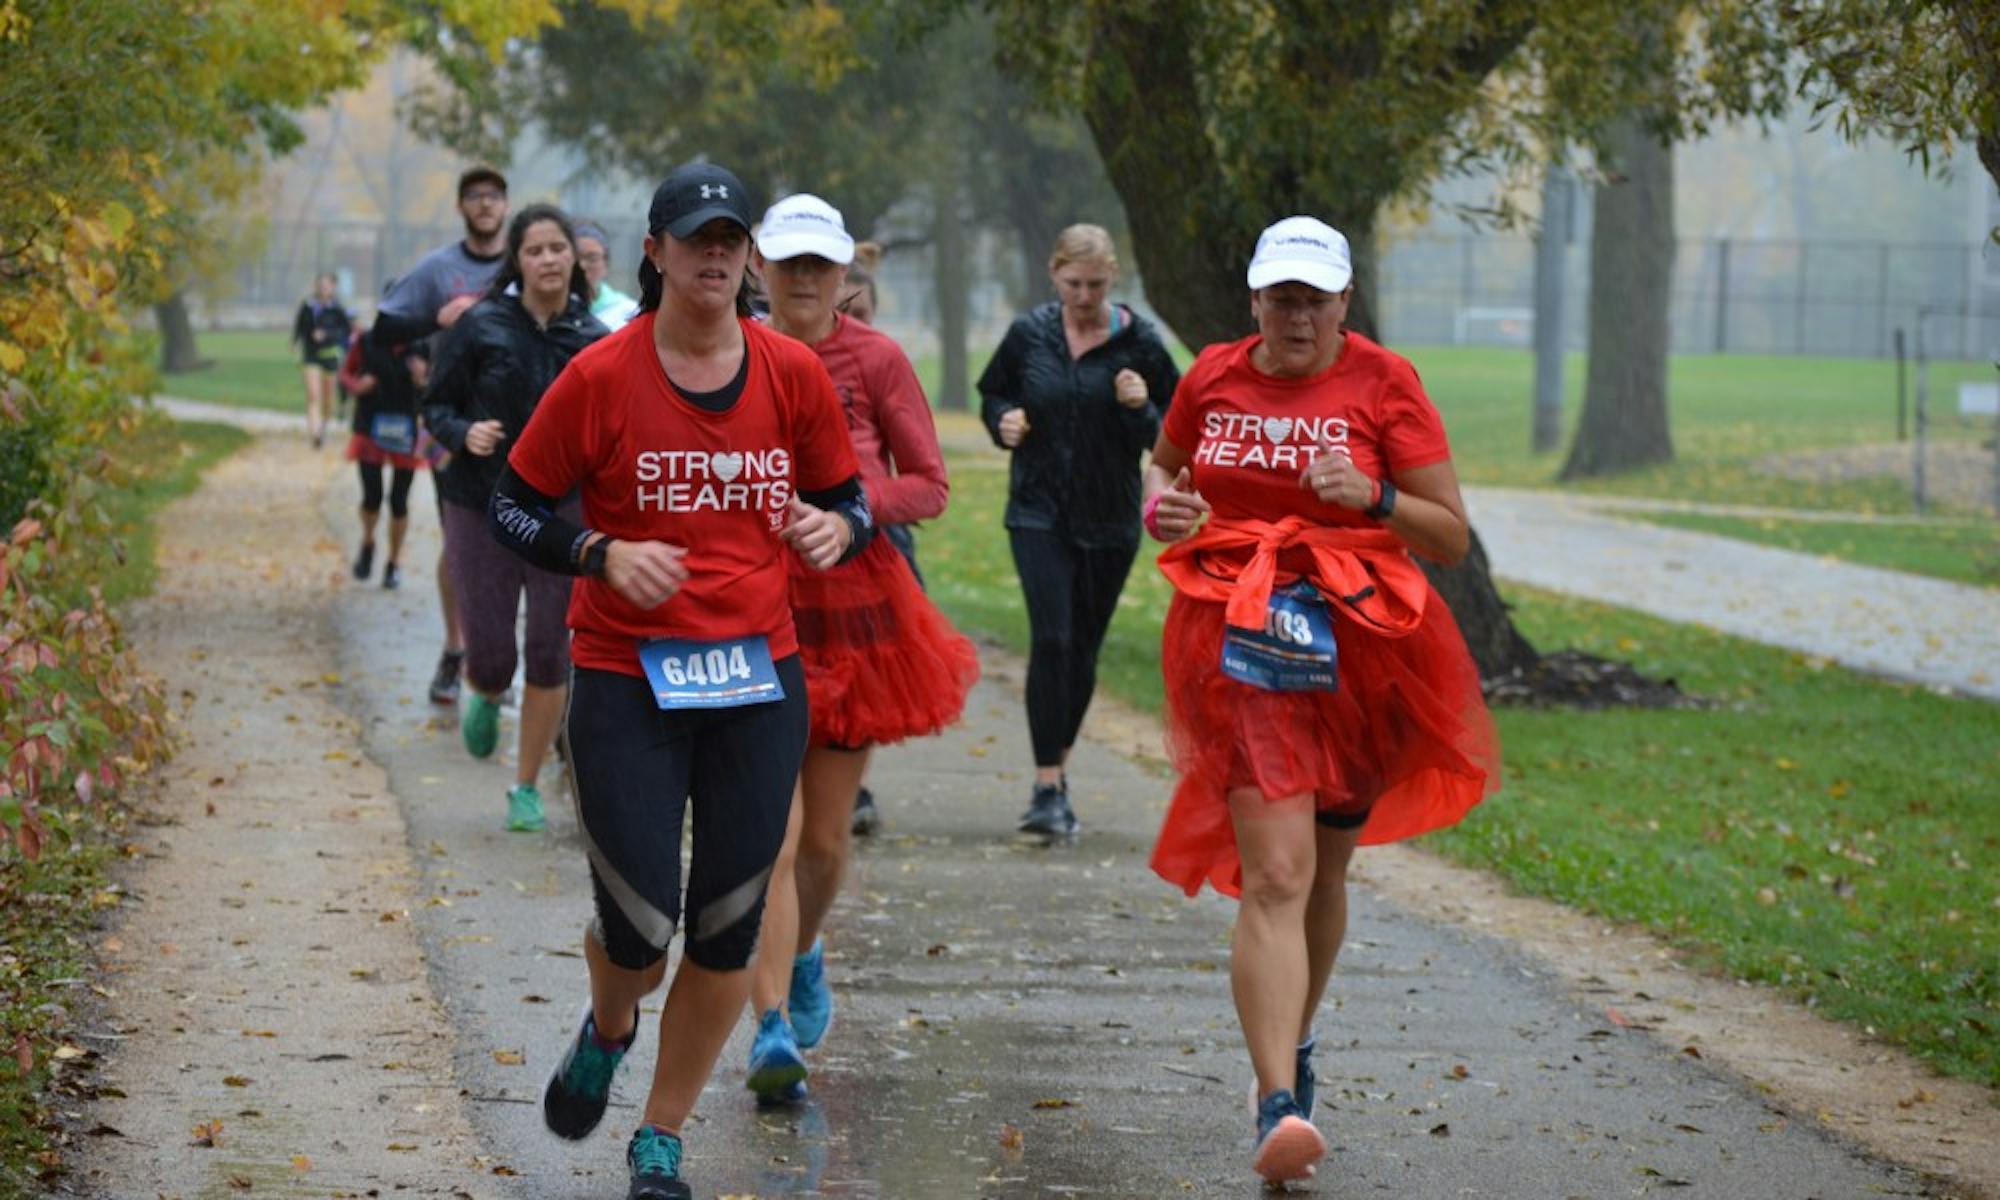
1365 573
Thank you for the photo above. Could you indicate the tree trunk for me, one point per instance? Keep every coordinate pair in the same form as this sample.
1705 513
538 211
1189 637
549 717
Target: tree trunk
178 351
1498 649
952 289
1624 422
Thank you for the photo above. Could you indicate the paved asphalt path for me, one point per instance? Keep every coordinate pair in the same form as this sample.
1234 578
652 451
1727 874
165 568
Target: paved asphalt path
989 985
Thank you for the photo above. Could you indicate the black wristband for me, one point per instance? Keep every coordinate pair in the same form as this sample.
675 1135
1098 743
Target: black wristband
1384 505
595 556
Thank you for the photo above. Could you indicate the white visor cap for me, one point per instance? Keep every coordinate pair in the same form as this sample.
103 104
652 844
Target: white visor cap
1302 250
804 224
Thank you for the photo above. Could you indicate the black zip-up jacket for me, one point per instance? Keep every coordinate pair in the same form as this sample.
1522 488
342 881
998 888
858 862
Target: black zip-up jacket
495 363
1076 473
395 390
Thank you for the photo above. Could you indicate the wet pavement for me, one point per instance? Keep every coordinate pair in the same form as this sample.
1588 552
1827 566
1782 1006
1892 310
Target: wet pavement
1025 1020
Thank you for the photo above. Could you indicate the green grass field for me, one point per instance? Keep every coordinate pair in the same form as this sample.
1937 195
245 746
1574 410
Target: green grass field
1771 835
252 369
1963 551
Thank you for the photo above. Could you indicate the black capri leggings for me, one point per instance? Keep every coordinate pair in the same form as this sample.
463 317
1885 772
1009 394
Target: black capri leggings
636 768
1072 591
399 489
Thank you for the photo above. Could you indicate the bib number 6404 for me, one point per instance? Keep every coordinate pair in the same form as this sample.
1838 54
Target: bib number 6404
704 668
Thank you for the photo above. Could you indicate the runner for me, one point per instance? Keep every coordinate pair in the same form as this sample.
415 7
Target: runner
881 663
321 330
708 450
1318 692
384 433
607 303
1075 392
491 371
435 293
859 299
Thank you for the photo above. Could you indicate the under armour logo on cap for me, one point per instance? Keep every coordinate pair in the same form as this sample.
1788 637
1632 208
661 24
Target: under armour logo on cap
695 194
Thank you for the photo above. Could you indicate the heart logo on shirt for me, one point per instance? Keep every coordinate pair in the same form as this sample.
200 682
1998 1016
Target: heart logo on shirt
726 466
1277 429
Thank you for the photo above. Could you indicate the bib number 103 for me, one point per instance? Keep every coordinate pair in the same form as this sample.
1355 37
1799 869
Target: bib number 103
706 668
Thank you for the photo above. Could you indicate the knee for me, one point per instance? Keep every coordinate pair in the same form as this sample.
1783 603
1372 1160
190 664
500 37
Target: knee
823 851
1278 880
722 933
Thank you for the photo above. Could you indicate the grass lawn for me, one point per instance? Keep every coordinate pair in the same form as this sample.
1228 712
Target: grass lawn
252 369
1967 552
47 906
1776 837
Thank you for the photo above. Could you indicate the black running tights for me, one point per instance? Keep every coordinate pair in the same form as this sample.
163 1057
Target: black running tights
1072 592
399 489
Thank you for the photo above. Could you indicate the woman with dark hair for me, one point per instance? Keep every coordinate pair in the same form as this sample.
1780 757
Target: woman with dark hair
321 330
491 371
708 449
385 434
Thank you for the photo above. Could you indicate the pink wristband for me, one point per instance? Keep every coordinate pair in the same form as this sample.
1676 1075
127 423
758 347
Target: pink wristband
1149 516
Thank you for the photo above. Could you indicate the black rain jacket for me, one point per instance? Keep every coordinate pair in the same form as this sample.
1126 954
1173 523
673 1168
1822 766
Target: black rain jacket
1076 473
495 363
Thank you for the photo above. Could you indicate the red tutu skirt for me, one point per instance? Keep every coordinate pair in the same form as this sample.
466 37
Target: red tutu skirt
1406 738
882 663
362 448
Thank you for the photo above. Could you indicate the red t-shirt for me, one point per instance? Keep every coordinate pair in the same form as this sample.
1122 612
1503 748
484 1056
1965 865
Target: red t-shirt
1250 434
652 466
902 468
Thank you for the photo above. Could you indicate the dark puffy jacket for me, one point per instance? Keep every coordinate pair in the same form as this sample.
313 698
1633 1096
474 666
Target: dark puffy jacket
1077 471
395 391
495 363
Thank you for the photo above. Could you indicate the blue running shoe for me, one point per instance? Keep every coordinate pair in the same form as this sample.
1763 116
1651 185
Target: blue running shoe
1288 1147
573 1102
811 1000
775 1063
480 726
1303 1081
654 1156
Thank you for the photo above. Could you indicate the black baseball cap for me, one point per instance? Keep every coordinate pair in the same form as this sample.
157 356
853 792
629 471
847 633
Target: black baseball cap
479 175
695 194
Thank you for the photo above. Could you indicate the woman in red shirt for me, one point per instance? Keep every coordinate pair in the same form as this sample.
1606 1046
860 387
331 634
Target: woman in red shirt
882 664
708 450
1318 691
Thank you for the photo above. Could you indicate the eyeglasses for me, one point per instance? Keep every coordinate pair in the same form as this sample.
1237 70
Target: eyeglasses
483 196
593 256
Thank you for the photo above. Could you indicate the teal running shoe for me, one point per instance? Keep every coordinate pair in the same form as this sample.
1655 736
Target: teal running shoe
654 1155
1303 1081
810 1001
480 726
579 1088
524 808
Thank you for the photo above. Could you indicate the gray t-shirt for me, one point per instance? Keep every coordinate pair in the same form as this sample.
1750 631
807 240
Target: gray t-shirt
411 307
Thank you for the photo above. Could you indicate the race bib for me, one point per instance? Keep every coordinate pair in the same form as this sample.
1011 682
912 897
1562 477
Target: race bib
394 432
726 674
1294 652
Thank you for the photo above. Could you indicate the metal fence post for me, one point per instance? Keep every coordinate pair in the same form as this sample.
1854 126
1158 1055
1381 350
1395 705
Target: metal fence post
1722 296
1902 398
1923 397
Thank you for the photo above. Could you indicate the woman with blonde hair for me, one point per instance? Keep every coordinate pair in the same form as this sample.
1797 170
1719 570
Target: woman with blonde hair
1075 393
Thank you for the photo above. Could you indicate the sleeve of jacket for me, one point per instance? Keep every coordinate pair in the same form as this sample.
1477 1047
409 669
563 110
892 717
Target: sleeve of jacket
918 490
302 324
448 399
1000 382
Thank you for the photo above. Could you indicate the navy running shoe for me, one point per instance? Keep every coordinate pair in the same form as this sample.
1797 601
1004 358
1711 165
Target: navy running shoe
1049 812
1288 1147
579 1088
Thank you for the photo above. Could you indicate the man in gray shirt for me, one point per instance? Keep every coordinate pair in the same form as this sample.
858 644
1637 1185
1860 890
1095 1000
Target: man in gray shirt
432 297
438 290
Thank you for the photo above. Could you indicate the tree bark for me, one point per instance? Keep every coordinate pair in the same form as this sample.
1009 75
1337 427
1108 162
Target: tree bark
1497 647
178 352
951 284
1624 423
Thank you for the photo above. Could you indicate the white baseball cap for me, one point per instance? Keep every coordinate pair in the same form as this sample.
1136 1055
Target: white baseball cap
804 224
1302 250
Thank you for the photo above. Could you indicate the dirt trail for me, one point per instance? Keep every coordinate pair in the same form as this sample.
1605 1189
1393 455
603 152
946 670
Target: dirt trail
264 973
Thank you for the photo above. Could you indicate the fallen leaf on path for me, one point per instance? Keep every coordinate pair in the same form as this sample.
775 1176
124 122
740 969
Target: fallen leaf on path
1441 1130
264 1033
241 1183
1055 1102
103 1131
1920 1096
401 1147
205 1133
237 1081
301 1163
1012 1139
509 1058
1458 1071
